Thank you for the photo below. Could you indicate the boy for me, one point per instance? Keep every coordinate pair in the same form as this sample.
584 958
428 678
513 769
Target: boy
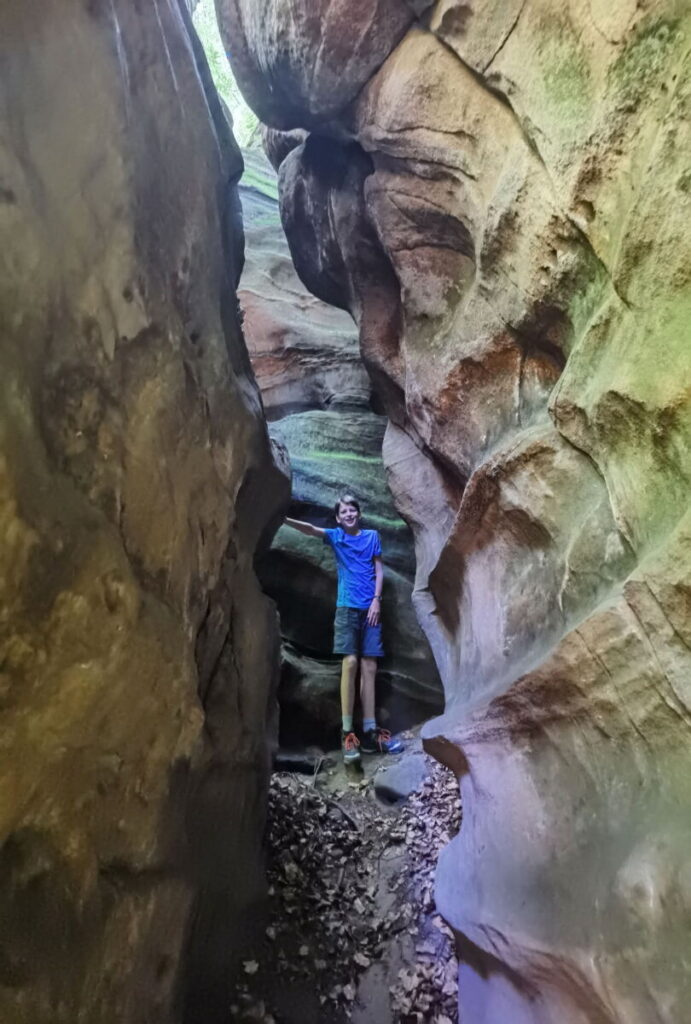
357 626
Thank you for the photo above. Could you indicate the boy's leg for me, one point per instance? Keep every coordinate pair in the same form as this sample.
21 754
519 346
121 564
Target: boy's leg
349 741
348 672
371 649
374 739
368 672
346 644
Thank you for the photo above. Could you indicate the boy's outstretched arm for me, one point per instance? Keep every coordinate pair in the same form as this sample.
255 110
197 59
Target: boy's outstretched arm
307 528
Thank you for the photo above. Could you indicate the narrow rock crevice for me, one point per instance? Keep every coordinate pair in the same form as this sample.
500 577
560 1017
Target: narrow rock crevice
497 195
574 497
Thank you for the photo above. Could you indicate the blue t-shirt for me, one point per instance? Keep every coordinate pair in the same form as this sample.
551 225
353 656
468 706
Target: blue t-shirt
354 559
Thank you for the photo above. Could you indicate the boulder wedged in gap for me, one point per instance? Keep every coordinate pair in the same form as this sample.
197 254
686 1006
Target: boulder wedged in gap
501 207
138 653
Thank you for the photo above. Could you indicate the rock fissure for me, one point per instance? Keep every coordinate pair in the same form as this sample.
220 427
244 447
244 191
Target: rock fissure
497 195
335 442
526 370
511 30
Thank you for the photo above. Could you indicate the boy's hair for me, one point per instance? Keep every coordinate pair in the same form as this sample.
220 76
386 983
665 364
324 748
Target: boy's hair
347 499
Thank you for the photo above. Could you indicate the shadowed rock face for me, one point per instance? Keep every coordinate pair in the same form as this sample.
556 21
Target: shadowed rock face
501 206
137 652
317 396
304 352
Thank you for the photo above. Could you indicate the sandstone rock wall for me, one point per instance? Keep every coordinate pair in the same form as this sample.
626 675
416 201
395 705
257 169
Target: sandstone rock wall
499 193
318 399
137 652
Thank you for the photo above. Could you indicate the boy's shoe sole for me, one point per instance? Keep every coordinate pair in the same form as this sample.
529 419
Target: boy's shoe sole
380 741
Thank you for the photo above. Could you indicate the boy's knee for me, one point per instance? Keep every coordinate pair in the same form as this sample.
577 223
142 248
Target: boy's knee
350 660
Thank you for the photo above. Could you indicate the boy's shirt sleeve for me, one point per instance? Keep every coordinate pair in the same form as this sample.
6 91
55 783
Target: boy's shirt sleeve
328 537
376 547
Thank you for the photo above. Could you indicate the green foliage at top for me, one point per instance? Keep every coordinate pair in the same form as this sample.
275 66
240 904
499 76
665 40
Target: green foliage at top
245 123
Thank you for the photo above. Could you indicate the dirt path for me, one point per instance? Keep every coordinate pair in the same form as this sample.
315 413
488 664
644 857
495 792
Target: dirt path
353 933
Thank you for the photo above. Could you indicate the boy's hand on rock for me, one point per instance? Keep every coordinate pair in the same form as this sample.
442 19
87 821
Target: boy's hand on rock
373 613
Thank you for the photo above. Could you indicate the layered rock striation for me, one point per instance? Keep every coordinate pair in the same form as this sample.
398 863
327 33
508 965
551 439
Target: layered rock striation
498 193
318 400
138 653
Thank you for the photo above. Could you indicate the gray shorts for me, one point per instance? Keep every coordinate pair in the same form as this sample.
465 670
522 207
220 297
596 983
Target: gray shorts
353 634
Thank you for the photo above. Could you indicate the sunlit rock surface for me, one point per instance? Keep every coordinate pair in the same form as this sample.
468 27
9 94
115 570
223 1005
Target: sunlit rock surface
317 397
503 205
136 476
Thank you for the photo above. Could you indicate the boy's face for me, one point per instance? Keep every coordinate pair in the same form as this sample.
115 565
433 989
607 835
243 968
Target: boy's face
347 516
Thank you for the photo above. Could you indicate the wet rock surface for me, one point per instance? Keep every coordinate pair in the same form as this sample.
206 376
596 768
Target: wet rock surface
318 399
137 651
500 204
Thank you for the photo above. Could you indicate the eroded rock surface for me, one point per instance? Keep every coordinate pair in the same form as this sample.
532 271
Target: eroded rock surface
303 351
138 653
502 207
318 399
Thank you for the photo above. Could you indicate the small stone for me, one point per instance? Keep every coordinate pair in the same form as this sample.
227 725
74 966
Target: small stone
427 948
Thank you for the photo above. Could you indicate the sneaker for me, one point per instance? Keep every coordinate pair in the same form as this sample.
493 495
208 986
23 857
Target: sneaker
349 745
380 741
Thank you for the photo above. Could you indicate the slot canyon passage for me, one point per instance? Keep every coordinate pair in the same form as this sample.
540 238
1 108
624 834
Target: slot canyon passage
498 195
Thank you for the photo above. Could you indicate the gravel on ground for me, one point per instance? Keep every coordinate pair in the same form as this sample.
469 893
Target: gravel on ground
353 933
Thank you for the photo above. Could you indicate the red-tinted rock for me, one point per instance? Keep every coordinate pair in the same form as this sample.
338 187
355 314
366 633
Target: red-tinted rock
304 352
518 173
301 63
